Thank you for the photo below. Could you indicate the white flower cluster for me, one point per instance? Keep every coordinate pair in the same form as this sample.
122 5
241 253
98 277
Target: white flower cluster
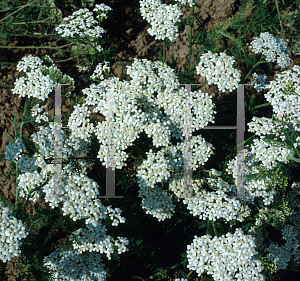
297 143
162 18
78 123
70 265
102 8
262 126
225 258
79 23
13 153
11 234
44 138
215 205
36 84
177 186
137 108
100 68
268 154
14 150
133 104
94 239
79 201
180 279
281 255
254 187
214 172
115 215
284 96
160 166
35 112
217 69
273 48
29 181
259 81
156 202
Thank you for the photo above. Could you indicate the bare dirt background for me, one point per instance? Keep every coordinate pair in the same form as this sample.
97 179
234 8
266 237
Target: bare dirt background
133 41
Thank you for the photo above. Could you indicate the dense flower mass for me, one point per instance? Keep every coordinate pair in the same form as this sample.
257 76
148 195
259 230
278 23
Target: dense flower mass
79 196
153 103
137 109
218 70
79 23
39 79
284 96
254 187
215 205
273 48
95 239
226 257
71 265
36 110
12 231
162 18
281 255
14 150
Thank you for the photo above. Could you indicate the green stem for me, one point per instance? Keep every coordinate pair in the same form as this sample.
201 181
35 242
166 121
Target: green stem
17 190
259 62
262 105
214 227
297 152
190 39
210 185
7 86
37 253
35 47
39 21
22 7
66 59
294 159
9 63
26 202
21 128
35 34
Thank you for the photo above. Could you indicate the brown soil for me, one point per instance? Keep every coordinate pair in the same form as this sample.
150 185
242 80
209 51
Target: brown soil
134 42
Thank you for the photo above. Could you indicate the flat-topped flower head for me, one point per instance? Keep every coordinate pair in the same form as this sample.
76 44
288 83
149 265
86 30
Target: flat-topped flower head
80 23
284 96
218 70
12 231
273 48
226 257
39 78
162 18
